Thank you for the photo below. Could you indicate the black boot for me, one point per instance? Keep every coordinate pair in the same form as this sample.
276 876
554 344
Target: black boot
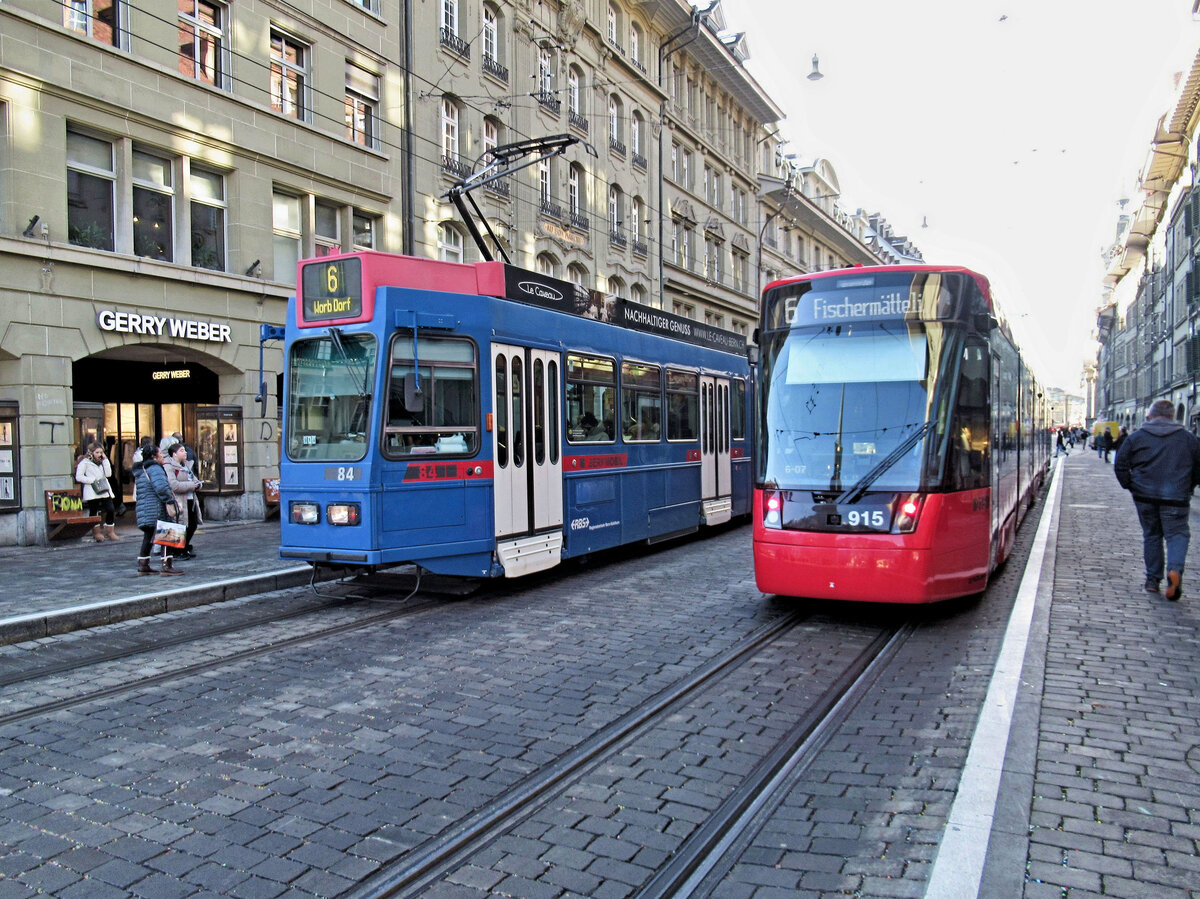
144 565
168 566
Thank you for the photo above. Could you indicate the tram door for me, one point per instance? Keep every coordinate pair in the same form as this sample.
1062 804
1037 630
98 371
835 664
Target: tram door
715 471
527 453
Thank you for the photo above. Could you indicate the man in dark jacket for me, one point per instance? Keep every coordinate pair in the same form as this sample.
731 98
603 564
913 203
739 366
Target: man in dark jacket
1159 464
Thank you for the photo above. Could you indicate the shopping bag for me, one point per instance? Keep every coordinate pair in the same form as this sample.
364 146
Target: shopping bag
170 533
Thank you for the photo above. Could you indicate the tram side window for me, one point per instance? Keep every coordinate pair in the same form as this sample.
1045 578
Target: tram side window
683 405
737 409
329 397
591 398
641 402
969 434
447 420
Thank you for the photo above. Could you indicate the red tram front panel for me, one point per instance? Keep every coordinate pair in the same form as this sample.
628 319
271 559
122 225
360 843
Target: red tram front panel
946 556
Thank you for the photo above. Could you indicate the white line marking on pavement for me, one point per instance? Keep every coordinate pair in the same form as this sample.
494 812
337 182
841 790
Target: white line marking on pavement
958 866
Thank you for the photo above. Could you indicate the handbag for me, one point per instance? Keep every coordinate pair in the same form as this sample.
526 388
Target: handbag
170 533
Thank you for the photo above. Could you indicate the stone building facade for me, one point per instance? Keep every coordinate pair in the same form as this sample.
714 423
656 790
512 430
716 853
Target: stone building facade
165 163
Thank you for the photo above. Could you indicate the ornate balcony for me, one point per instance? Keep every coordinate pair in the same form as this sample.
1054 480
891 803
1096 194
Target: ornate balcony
616 146
639 247
576 120
579 220
549 101
639 160
491 66
551 209
617 238
454 43
452 165
499 186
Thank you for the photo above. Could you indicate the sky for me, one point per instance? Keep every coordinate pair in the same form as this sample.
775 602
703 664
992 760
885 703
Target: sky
994 134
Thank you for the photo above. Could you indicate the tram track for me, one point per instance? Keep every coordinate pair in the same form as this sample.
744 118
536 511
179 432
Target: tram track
141 683
416 871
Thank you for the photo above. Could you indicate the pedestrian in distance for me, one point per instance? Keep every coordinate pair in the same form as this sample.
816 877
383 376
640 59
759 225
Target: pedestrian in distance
1120 439
1059 448
1159 464
155 501
1109 443
93 472
183 485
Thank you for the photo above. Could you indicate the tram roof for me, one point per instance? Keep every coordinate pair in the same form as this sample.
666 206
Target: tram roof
984 284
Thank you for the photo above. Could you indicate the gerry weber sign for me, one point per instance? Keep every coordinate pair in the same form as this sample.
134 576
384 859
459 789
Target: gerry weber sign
161 326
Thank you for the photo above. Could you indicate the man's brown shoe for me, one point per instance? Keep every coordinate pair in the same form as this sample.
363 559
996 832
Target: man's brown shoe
1173 592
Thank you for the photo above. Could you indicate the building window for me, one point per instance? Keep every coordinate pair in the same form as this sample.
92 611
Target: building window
637 293
153 206
98 19
202 41
286 236
545 193
574 98
675 162
547 265
635 134
635 213
490 34
450 244
685 169
614 25
364 231
635 43
450 16
491 134
574 185
717 190
614 118
326 230
449 129
545 78
90 184
614 209
362 105
289 75
576 274
207 191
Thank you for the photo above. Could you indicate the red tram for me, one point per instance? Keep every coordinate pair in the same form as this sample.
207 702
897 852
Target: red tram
901 436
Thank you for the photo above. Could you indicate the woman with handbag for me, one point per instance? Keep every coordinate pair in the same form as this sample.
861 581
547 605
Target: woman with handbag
155 501
93 472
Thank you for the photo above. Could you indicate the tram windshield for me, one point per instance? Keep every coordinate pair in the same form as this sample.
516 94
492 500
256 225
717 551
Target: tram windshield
329 397
854 407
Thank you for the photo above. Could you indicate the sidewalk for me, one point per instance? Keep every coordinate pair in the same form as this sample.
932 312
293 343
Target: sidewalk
1101 773
78 583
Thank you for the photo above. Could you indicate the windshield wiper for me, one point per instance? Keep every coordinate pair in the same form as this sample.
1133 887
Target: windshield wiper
335 337
854 493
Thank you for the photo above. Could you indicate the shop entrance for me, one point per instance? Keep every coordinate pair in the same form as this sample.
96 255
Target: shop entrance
132 400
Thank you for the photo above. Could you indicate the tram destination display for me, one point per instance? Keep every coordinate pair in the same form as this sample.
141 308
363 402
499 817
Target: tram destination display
331 290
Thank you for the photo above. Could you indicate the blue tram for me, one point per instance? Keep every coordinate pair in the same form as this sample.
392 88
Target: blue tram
482 420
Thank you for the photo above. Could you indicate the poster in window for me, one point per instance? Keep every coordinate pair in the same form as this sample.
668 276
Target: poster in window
231 477
6 460
231 454
6 488
230 432
6 431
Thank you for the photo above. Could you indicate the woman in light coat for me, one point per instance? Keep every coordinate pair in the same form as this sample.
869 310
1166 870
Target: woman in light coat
183 484
93 472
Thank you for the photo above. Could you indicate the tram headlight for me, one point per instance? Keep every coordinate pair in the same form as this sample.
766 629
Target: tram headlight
907 513
343 513
304 513
772 510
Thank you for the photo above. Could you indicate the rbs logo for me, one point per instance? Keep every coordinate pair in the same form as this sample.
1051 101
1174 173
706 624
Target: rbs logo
580 524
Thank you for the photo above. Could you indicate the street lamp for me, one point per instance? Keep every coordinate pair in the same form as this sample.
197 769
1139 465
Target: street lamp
815 74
